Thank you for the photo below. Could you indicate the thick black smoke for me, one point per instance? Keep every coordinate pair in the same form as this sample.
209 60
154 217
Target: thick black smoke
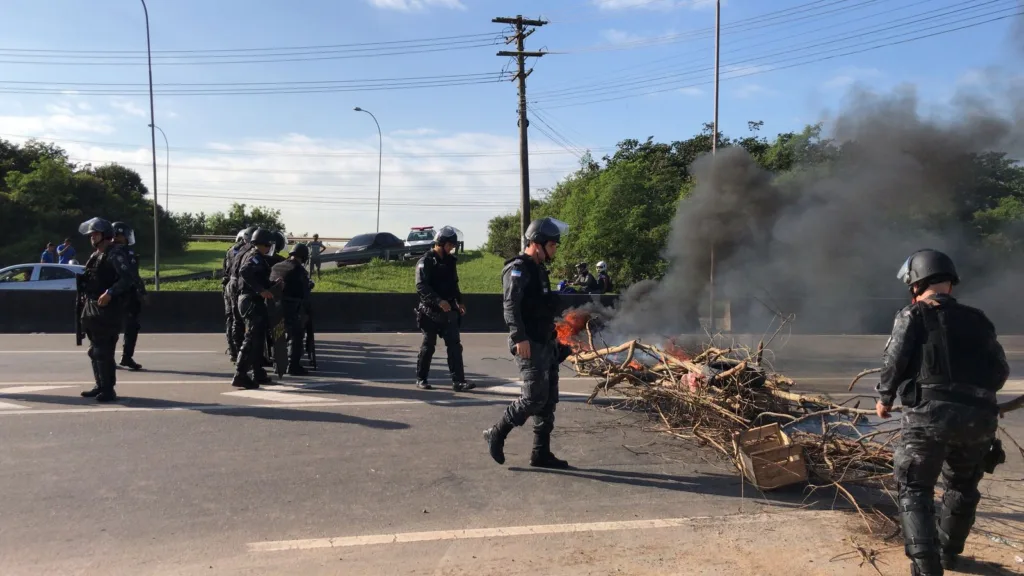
825 241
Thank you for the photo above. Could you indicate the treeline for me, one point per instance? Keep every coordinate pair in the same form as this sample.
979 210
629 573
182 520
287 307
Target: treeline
621 208
44 197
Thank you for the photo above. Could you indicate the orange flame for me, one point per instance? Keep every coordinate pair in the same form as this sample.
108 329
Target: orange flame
674 350
569 328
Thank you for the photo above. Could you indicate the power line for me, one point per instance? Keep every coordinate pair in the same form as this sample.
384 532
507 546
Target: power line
856 34
236 84
777 65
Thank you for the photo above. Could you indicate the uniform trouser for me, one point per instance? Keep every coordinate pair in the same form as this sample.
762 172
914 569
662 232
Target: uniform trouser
540 393
102 345
944 439
296 331
453 346
253 310
236 322
229 319
132 308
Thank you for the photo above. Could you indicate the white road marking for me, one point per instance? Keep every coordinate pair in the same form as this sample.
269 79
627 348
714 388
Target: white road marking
227 407
12 406
27 389
508 531
139 352
272 396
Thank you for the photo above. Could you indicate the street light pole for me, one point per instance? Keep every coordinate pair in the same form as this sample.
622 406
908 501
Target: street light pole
152 132
380 160
167 172
714 149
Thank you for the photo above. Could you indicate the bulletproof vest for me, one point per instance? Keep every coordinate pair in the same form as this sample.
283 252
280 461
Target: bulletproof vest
443 279
540 304
99 273
956 358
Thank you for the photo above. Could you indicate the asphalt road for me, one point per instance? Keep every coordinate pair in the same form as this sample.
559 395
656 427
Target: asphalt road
355 471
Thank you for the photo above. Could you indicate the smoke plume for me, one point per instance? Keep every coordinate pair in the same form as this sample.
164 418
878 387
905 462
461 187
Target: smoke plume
824 241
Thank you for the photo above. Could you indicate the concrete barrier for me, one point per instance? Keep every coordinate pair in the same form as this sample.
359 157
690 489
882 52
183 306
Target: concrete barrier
26 311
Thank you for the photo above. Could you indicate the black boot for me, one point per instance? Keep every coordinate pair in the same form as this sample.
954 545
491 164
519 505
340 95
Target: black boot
462 386
495 438
130 364
541 457
108 379
261 377
96 387
423 385
296 369
242 380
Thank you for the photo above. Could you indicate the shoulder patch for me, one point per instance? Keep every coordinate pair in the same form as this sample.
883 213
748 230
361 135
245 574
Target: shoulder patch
255 260
516 273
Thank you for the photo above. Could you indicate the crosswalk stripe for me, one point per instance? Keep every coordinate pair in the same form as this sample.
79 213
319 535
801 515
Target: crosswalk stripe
272 396
28 389
12 406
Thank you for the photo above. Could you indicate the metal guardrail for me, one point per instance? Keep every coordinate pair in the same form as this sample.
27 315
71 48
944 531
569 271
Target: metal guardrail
229 238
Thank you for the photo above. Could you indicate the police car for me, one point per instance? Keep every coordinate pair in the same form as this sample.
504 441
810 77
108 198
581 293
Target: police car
419 240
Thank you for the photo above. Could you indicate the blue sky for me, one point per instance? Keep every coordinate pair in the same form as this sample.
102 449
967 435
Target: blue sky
449 151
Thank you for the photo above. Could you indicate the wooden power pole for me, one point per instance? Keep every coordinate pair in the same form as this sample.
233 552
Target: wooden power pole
521 55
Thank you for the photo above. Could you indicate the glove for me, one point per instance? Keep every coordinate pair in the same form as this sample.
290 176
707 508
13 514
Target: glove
563 352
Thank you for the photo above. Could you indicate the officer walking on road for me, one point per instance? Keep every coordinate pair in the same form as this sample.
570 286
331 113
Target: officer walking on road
292 273
530 310
253 289
944 362
234 325
440 310
106 281
124 236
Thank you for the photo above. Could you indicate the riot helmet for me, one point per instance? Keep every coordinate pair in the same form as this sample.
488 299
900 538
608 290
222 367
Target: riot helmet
94 226
245 234
928 267
280 241
261 237
124 230
300 250
447 234
546 230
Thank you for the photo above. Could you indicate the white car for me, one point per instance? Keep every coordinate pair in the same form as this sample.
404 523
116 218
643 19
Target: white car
420 240
40 277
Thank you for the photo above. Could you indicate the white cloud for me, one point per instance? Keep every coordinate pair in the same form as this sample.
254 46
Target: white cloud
752 90
621 36
59 121
414 132
410 5
850 76
691 91
663 5
129 107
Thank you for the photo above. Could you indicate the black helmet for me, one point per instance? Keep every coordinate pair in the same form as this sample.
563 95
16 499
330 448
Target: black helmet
245 234
929 266
447 234
280 242
96 225
546 230
122 229
300 250
581 266
261 237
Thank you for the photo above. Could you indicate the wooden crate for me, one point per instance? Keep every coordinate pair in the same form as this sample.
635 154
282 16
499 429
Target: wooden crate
768 458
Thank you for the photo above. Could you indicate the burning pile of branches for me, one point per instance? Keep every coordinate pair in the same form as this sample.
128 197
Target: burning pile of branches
712 394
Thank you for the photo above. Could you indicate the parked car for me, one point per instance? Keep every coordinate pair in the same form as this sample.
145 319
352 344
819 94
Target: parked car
366 247
40 277
420 239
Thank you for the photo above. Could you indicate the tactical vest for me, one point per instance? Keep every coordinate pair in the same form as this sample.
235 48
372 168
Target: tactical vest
99 274
229 262
539 304
956 362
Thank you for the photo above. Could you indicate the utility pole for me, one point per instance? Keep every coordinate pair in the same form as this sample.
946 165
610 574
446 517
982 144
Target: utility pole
714 149
524 153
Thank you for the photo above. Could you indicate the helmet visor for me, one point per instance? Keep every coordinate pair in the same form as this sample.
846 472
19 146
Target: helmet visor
91 225
904 274
563 228
129 236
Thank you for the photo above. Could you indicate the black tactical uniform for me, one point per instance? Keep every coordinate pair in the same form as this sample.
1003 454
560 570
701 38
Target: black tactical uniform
106 271
234 326
945 364
125 237
253 279
273 258
292 273
530 308
437 280
585 279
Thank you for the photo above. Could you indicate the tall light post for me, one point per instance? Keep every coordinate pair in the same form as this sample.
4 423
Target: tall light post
714 149
167 171
152 132
380 160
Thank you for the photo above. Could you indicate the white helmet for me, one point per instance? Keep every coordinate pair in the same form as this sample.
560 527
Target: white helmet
601 266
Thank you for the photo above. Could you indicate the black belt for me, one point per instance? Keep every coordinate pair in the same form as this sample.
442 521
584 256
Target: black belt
957 398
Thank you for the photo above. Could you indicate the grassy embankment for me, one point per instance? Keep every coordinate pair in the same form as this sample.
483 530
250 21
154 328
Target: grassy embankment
479 272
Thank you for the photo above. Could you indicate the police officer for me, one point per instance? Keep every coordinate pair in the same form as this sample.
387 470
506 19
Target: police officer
253 289
124 236
107 280
440 309
292 273
274 258
585 279
234 325
945 364
604 281
530 310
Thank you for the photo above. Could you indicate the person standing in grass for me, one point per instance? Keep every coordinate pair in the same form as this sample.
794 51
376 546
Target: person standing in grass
316 247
